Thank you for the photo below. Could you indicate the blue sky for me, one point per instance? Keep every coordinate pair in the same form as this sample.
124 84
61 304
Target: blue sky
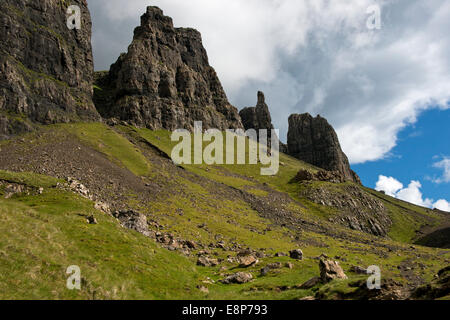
419 146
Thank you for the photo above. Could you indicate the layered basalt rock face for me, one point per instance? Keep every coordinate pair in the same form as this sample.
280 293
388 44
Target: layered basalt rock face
46 69
259 118
165 80
314 141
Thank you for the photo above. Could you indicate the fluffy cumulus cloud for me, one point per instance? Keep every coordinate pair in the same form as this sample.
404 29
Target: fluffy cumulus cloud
412 193
389 185
442 205
444 164
314 56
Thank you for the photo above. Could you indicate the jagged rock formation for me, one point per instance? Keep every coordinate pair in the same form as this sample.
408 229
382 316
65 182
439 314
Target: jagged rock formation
259 118
314 141
46 70
165 80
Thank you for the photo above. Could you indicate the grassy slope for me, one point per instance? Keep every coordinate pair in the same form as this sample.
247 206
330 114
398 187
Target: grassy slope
43 234
404 226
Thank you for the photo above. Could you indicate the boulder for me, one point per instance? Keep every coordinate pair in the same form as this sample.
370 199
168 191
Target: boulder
133 220
280 254
296 254
247 261
271 266
91 220
310 283
165 81
314 141
331 270
239 278
102 206
207 262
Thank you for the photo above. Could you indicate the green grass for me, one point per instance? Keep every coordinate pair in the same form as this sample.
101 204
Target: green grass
407 218
29 179
43 235
238 176
112 144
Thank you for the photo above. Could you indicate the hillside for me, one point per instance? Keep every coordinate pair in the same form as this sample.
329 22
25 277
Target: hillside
87 180
209 211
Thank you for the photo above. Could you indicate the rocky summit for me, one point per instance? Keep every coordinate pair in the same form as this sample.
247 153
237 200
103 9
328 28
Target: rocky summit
46 69
314 141
259 118
165 81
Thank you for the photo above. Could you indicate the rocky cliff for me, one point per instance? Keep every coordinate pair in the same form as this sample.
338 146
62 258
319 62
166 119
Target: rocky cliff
259 118
46 70
314 141
165 80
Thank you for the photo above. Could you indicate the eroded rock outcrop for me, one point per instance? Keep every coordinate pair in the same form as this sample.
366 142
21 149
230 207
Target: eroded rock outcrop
321 175
46 69
165 80
314 141
259 118
358 209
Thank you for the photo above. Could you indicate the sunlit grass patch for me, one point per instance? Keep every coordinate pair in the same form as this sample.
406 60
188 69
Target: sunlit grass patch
112 144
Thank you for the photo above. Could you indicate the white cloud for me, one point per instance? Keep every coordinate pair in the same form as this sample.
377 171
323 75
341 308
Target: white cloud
412 193
442 205
312 56
389 185
444 164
